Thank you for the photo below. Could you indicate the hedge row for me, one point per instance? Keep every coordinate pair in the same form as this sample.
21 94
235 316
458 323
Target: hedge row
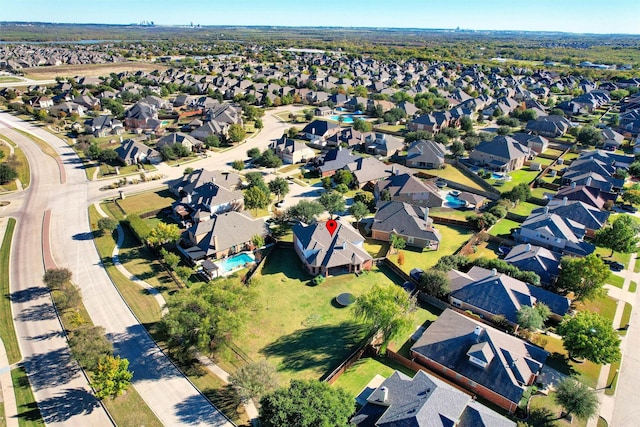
139 228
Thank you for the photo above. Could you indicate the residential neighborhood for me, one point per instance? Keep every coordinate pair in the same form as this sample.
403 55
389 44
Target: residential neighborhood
427 242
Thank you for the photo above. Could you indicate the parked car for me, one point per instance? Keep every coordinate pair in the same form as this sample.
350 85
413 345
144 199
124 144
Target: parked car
416 274
616 266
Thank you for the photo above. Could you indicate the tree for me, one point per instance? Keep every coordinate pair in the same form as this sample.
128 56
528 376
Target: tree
237 165
212 141
54 278
466 124
359 210
362 125
532 318
257 123
108 155
457 149
365 197
305 211
269 159
332 201
519 193
93 152
236 133
112 377
7 173
343 176
434 283
589 335
386 311
577 398
397 242
620 236
163 233
107 224
589 135
257 240
169 258
279 186
583 276
88 345
254 153
255 198
183 272
254 380
306 403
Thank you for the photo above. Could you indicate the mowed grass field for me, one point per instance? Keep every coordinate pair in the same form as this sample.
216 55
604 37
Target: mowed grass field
89 70
299 328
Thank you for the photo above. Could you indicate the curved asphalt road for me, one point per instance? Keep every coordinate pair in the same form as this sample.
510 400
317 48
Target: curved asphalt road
60 390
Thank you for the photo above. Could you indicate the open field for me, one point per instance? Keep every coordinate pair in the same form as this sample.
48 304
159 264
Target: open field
301 330
89 70
147 202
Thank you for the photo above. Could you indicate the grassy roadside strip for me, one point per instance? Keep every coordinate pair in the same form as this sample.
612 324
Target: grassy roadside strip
24 175
28 412
7 330
44 146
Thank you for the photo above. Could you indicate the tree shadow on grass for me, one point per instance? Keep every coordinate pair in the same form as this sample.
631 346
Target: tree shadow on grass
285 261
541 417
71 402
225 399
315 348
196 410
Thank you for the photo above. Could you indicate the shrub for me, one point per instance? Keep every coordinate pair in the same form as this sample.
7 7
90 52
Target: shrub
139 228
319 279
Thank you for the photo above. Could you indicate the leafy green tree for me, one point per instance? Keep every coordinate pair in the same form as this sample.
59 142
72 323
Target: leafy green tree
343 176
306 403
517 194
577 398
112 377
236 133
305 211
254 380
255 198
332 201
54 278
397 242
358 210
108 155
434 283
163 233
257 240
589 335
93 152
365 197
457 149
279 186
293 132
466 124
584 276
269 159
532 318
632 197
212 141
183 272
169 258
621 236
386 311
589 135
362 125
237 165
107 224
88 345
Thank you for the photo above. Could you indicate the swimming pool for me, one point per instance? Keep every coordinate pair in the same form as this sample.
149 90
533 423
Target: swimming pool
348 118
453 202
235 262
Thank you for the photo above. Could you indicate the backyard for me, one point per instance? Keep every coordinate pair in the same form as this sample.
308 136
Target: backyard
302 331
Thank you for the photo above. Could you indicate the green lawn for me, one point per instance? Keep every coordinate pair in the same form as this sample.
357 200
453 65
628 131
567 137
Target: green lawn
358 376
376 248
459 214
7 331
451 173
288 168
28 412
452 239
604 306
539 192
587 372
22 166
615 280
147 202
617 256
486 250
503 227
131 410
626 316
298 328
523 208
520 176
545 412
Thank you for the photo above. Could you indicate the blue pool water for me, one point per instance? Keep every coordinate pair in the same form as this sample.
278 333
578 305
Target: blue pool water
348 118
235 262
497 175
454 202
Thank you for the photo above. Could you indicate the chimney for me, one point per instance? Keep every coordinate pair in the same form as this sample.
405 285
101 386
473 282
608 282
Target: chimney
385 394
426 214
494 272
477 332
546 209
588 182
573 184
564 201
528 247
189 200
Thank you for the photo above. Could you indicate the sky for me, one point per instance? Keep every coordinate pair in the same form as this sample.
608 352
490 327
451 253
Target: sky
576 16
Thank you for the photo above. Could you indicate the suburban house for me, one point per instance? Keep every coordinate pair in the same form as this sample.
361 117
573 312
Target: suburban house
203 194
368 171
426 154
423 401
319 130
409 189
592 196
554 232
222 235
382 144
537 143
549 126
611 140
487 362
336 159
592 218
542 261
292 151
503 153
131 152
142 116
490 293
180 138
328 254
103 125
433 122
210 128
410 222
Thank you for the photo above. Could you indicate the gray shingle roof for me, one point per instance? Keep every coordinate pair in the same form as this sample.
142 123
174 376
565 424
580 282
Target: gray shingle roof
406 220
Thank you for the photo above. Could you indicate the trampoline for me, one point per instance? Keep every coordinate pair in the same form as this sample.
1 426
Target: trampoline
345 299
